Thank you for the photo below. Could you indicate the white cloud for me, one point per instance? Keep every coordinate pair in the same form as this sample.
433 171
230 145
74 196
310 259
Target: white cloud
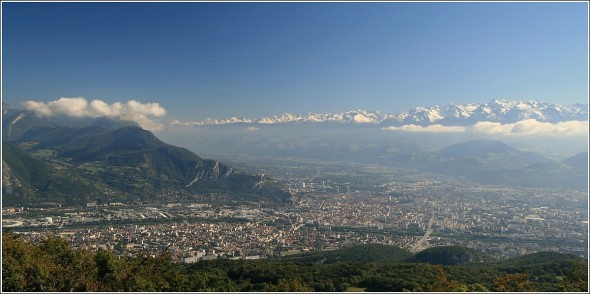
533 127
146 108
77 107
428 129
521 128
142 113
39 108
252 129
102 108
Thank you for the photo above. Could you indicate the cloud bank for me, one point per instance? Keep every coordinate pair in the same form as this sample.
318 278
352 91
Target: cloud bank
524 127
533 127
428 129
142 113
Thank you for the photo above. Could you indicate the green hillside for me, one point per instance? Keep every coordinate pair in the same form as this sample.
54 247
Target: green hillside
377 253
52 266
33 180
133 164
451 255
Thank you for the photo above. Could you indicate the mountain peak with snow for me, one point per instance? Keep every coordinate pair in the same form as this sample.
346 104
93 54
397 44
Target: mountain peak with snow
497 110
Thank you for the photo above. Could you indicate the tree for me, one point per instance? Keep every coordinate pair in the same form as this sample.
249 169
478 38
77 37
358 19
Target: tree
290 285
109 273
444 284
513 283
577 280
213 281
16 256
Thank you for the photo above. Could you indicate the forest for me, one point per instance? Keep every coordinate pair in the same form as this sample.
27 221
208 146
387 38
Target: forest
53 266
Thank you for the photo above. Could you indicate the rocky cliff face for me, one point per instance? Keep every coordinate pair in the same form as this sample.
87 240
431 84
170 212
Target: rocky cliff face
10 183
210 170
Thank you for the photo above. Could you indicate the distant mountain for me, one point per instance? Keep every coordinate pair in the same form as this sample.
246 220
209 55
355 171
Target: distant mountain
497 110
487 153
476 147
130 162
578 161
481 161
493 162
16 122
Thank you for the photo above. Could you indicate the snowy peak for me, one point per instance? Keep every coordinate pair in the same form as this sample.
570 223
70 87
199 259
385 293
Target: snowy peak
497 110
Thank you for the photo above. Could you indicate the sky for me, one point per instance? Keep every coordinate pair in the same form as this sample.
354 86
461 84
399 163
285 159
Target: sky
202 60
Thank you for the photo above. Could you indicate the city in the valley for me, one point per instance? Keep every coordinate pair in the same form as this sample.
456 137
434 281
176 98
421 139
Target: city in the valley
330 210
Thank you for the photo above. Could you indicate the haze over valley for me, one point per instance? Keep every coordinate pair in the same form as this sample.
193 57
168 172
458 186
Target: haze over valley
295 165
294 147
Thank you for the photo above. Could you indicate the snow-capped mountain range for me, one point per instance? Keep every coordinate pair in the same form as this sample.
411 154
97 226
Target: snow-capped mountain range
497 110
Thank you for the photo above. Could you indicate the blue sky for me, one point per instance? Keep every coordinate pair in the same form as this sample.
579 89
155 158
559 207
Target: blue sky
202 60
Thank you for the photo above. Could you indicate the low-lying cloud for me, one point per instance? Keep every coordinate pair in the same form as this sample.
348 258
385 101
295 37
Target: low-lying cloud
428 129
524 127
533 127
132 110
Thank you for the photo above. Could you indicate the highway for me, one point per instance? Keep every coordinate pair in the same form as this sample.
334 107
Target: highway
421 244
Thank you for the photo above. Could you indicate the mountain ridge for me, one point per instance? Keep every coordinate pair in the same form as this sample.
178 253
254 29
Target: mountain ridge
129 160
497 110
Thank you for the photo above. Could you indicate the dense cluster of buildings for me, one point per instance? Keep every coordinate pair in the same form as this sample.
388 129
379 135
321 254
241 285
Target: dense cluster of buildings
501 221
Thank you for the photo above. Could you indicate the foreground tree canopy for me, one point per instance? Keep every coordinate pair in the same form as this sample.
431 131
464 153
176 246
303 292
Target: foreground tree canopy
54 266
